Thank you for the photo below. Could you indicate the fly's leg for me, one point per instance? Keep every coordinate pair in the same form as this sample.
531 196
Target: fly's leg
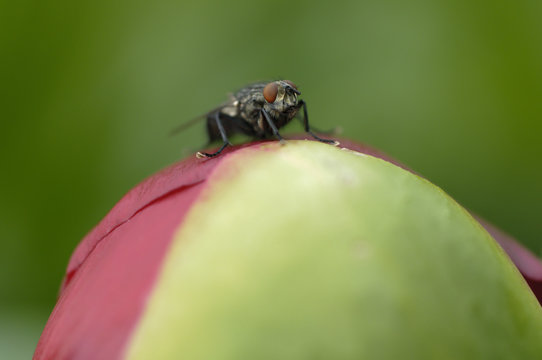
203 155
225 140
273 126
308 129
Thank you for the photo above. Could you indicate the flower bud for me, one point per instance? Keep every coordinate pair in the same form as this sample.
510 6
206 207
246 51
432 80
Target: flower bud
290 252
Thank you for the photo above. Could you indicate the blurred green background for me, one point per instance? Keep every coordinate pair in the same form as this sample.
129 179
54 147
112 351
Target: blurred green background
90 90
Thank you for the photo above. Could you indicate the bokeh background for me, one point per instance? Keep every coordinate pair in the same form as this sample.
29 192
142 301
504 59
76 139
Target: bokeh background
90 90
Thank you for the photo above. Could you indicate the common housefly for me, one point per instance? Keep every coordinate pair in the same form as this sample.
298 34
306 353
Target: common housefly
258 110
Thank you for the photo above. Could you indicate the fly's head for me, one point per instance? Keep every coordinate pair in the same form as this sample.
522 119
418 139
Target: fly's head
281 98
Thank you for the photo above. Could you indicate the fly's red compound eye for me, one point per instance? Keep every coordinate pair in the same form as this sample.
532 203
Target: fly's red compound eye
291 84
270 92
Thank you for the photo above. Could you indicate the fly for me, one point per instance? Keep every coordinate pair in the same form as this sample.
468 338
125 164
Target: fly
257 110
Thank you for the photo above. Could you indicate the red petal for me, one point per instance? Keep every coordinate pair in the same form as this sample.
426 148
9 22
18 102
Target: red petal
114 267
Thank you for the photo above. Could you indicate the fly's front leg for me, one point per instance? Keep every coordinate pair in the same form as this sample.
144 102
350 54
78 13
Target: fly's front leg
273 126
225 140
308 129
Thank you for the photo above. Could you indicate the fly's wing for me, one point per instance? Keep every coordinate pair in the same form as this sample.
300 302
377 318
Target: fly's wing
229 108
186 125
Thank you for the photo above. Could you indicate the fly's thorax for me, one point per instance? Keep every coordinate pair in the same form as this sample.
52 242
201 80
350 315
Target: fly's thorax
250 107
